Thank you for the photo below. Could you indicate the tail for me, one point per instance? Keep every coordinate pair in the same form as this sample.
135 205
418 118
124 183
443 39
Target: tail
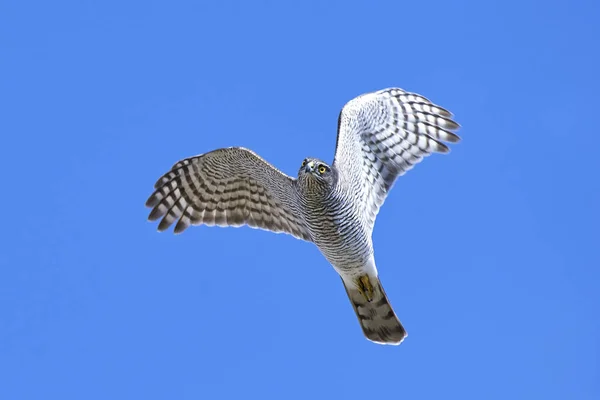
376 317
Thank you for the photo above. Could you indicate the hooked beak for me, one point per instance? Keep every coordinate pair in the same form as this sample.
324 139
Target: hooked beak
309 167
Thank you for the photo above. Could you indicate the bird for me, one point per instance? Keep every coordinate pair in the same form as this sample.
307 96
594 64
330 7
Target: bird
380 136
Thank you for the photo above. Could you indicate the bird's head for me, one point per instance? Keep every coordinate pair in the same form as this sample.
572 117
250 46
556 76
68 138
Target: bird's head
317 173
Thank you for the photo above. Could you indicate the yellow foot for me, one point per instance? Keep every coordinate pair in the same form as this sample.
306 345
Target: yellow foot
363 284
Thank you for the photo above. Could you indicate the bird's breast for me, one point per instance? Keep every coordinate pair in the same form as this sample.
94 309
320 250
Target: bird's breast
338 232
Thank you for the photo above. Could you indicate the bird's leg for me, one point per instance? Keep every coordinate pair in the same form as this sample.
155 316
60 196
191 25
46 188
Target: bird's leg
363 284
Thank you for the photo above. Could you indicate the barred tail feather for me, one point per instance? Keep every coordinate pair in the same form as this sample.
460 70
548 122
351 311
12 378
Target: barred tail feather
376 317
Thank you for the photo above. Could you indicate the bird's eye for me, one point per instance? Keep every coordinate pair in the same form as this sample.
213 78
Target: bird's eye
303 163
322 169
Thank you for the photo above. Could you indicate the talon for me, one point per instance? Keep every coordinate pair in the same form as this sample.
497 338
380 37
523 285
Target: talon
363 284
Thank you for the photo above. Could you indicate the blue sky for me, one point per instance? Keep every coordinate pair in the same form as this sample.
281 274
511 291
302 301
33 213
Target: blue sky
489 254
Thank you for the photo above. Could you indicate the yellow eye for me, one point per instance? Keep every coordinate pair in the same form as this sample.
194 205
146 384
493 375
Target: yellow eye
303 163
321 169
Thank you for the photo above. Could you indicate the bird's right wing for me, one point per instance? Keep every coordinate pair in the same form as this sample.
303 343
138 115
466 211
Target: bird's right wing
382 135
227 187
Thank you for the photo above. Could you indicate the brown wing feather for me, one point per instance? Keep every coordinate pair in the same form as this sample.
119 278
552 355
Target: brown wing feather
227 187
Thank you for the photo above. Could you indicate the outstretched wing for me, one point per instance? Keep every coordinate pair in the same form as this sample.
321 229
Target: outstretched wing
227 187
383 134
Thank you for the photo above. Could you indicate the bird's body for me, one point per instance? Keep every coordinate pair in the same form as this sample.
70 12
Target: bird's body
381 135
330 216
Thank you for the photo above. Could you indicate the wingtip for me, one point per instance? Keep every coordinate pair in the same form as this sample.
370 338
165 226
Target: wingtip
164 224
181 226
442 148
451 124
155 214
151 202
442 111
453 138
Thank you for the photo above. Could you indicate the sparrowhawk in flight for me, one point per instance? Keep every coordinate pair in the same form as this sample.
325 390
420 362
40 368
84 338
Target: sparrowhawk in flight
381 135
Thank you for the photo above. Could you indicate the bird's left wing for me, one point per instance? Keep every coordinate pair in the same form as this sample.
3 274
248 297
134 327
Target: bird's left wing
227 187
382 135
